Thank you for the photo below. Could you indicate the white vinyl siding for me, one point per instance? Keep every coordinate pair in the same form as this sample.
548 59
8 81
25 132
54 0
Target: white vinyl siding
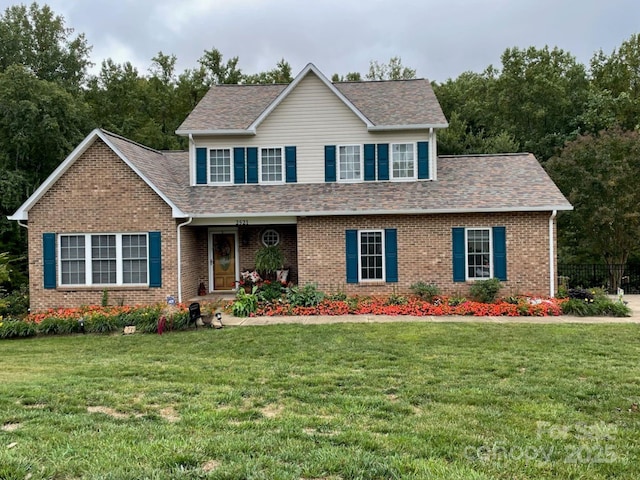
310 129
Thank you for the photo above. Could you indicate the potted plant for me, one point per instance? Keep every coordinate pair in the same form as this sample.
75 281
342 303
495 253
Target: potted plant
269 259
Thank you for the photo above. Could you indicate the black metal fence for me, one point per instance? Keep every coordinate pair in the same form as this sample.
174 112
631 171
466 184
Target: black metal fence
599 275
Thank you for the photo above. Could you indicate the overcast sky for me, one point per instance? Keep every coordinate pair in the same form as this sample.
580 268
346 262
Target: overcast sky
438 38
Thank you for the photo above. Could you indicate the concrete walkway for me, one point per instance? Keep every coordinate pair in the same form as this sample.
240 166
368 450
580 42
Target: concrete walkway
632 300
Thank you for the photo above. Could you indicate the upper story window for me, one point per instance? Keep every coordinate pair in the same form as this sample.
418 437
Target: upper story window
478 253
271 165
104 259
403 161
350 162
220 165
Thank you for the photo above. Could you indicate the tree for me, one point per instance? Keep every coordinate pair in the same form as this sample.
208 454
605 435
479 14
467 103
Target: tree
280 74
394 70
219 72
349 77
599 175
37 39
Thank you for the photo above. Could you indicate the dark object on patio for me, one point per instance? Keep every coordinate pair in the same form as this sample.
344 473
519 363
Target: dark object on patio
194 314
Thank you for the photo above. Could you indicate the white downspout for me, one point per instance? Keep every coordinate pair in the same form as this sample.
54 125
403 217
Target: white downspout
23 224
552 256
180 258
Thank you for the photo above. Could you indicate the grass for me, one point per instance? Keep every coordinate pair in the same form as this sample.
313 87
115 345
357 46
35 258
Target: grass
346 401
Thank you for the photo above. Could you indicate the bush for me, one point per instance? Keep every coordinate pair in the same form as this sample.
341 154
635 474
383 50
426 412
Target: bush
15 304
245 303
11 328
425 291
580 294
270 291
307 296
395 299
600 306
485 291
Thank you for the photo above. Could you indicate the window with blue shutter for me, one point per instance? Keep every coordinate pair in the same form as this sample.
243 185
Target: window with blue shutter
500 253
423 160
201 166
391 254
330 163
352 255
239 165
459 252
383 161
290 164
49 259
155 260
369 162
252 165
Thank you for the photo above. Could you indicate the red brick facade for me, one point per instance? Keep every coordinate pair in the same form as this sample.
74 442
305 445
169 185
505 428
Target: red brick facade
99 193
424 251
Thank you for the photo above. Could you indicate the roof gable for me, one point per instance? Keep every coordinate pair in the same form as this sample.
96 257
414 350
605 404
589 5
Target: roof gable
381 105
132 154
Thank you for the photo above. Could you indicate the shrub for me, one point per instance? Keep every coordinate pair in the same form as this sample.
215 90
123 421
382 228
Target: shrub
580 294
425 291
270 291
600 306
245 303
485 291
395 299
456 300
307 296
15 304
11 328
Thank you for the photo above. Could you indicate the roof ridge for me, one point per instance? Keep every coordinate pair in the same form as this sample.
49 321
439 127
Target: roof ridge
128 140
383 81
507 154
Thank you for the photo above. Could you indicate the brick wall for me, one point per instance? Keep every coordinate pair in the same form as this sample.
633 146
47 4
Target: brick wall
424 251
250 238
195 258
99 193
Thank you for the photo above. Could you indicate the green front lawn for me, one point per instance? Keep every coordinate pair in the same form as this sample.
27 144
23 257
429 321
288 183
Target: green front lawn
345 401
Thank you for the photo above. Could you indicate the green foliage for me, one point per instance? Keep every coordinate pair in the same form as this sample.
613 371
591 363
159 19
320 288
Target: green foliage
269 259
10 328
595 307
396 299
485 291
15 303
270 291
245 303
307 296
394 70
104 301
425 291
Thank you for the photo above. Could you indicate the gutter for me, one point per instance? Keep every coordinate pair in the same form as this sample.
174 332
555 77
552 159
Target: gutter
552 257
180 258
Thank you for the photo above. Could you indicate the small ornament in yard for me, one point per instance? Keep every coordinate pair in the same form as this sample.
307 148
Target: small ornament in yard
130 330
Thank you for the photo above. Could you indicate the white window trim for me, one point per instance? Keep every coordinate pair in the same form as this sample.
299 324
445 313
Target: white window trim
466 254
350 180
415 163
88 261
231 160
282 166
270 230
384 263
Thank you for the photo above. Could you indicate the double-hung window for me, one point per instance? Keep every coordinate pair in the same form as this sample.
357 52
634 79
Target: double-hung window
403 161
271 165
220 165
104 259
478 253
371 254
350 163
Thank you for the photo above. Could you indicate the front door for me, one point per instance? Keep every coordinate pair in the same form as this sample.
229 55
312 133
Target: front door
224 261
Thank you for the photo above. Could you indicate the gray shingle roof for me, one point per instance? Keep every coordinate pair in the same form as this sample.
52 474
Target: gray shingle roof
384 103
482 183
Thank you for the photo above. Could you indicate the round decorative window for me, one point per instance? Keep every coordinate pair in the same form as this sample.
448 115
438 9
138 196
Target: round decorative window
270 238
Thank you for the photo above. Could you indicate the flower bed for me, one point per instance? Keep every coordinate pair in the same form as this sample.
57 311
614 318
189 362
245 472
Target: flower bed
415 307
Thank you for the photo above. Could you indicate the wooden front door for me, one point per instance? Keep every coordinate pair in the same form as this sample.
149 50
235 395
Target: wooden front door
224 261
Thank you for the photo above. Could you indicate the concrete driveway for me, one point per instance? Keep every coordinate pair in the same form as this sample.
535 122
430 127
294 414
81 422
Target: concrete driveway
632 300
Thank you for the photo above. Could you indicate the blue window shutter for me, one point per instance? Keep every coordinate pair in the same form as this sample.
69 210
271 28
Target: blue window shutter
352 256
383 161
391 254
330 163
369 162
201 166
423 159
155 260
290 161
238 165
252 165
500 253
49 259
458 254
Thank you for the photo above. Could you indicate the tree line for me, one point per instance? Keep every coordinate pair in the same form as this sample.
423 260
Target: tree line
580 121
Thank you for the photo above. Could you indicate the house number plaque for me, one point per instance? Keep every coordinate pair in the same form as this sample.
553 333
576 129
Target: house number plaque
242 222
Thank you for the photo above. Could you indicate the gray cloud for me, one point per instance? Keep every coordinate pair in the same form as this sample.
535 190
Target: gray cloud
439 39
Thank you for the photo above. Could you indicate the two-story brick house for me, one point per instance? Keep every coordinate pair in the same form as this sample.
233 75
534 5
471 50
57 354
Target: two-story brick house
344 177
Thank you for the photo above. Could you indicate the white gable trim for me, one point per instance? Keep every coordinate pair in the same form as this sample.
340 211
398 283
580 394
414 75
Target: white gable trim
23 212
285 93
